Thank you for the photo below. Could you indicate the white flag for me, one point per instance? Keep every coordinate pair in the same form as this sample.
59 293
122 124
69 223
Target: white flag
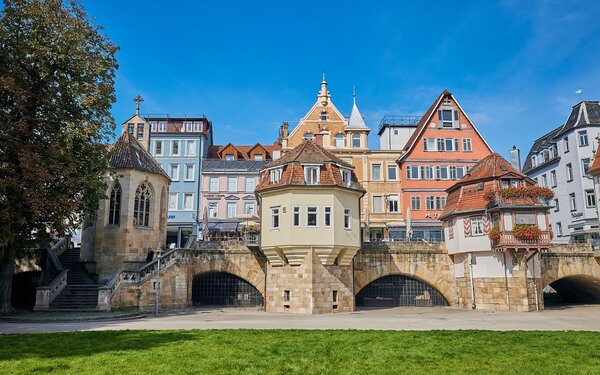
579 91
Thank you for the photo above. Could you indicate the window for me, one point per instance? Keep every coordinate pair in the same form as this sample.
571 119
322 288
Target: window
173 197
377 205
583 138
412 172
175 148
258 157
533 161
441 172
450 144
356 140
162 126
131 128
152 126
231 210
249 208
158 149
590 198
393 203
339 141
311 175
308 136
190 172
250 184
346 176
376 172
466 144
556 207
430 203
213 210
585 166
396 132
415 203
559 229
286 296
141 206
477 226
140 131
327 216
566 144
275 217
229 157
427 172
275 175
553 178
430 144
214 184
114 207
569 172
447 118
189 126
334 296
311 216
174 172
572 202
440 203
324 116
525 218
197 126
191 148
232 183
392 172
347 218
188 201
296 216
544 180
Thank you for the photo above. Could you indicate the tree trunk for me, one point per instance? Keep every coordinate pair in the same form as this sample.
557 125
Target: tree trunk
6 278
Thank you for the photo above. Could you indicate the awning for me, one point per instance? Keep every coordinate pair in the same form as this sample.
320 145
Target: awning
222 226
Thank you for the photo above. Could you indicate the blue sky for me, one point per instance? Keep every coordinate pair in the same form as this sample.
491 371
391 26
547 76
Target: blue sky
249 65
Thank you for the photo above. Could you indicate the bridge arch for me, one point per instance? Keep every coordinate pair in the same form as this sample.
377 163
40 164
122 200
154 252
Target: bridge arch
224 289
399 290
246 268
574 276
577 288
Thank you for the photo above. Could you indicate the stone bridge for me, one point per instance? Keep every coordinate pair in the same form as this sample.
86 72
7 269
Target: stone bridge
573 271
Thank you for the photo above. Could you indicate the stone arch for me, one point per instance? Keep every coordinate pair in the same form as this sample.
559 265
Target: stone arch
246 268
436 280
224 289
576 288
399 290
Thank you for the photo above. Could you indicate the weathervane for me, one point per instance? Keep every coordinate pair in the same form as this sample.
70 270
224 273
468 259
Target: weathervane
138 100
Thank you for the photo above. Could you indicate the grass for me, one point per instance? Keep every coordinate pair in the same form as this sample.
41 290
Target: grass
301 352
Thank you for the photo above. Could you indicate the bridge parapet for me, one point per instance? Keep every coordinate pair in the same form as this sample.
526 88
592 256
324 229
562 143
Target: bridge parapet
577 248
404 247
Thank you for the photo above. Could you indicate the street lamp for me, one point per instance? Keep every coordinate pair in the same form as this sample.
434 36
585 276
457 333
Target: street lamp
157 288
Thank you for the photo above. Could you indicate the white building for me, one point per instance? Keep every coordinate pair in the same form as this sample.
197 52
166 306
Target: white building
560 160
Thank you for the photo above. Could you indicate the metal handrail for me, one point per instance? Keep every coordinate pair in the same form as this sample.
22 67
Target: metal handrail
399 120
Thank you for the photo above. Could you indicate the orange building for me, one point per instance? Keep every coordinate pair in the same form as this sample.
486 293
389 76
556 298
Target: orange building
442 149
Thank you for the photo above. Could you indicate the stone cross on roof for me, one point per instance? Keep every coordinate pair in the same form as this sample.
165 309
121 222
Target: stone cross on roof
138 100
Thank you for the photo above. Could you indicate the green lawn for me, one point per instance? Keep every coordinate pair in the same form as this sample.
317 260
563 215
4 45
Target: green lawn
302 352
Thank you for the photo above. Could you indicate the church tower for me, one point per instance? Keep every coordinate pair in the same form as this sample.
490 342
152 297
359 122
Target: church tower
137 127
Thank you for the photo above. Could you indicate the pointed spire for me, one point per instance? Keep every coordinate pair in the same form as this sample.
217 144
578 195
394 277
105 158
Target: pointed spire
354 94
356 120
323 96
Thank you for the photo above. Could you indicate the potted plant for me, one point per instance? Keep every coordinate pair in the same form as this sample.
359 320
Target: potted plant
526 232
494 234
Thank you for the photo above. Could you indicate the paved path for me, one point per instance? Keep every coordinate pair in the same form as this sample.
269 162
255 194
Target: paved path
582 317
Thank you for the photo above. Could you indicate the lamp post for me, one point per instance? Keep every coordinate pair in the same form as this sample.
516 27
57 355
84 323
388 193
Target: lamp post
157 296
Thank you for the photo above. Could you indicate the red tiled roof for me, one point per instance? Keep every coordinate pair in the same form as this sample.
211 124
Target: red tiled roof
244 151
595 167
492 166
309 153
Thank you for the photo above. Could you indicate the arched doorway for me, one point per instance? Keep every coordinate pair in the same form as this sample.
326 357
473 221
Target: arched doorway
224 289
572 289
399 290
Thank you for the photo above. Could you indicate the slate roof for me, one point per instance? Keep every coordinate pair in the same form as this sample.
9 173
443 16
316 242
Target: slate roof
128 153
356 120
583 113
468 194
309 153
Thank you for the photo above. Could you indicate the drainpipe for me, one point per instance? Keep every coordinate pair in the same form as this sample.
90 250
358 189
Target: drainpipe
506 282
199 191
473 305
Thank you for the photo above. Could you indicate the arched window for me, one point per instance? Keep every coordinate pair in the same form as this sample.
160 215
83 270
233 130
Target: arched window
309 136
356 140
141 207
114 208
339 141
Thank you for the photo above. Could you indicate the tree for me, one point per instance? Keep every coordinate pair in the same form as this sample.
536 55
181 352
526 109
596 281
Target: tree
57 75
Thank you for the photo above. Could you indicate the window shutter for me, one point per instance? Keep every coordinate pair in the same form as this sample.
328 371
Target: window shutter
456 121
486 224
467 225
425 144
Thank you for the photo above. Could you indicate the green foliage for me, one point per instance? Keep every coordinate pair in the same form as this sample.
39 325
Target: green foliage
533 191
56 89
301 352
494 234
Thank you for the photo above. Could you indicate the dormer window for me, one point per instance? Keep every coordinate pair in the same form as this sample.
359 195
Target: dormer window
447 118
197 126
308 136
152 126
275 175
533 161
131 128
140 131
229 157
346 176
324 116
311 174
189 126
162 126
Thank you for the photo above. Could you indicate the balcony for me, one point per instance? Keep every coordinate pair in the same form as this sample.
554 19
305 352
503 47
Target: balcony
399 121
252 239
508 241
499 202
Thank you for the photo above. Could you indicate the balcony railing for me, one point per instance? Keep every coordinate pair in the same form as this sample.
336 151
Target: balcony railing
399 121
252 238
521 201
508 240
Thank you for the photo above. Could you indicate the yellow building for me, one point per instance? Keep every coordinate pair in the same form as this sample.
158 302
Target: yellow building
347 138
310 230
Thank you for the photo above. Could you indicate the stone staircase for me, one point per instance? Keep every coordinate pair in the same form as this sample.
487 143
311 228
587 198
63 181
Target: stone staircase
81 292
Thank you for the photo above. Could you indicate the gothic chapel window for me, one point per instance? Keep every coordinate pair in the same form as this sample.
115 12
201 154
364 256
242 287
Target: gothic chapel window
141 207
114 209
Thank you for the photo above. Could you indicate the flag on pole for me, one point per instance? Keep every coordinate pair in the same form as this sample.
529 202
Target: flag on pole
579 91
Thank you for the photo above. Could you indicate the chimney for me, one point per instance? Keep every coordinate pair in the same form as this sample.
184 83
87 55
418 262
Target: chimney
319 139
515 158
